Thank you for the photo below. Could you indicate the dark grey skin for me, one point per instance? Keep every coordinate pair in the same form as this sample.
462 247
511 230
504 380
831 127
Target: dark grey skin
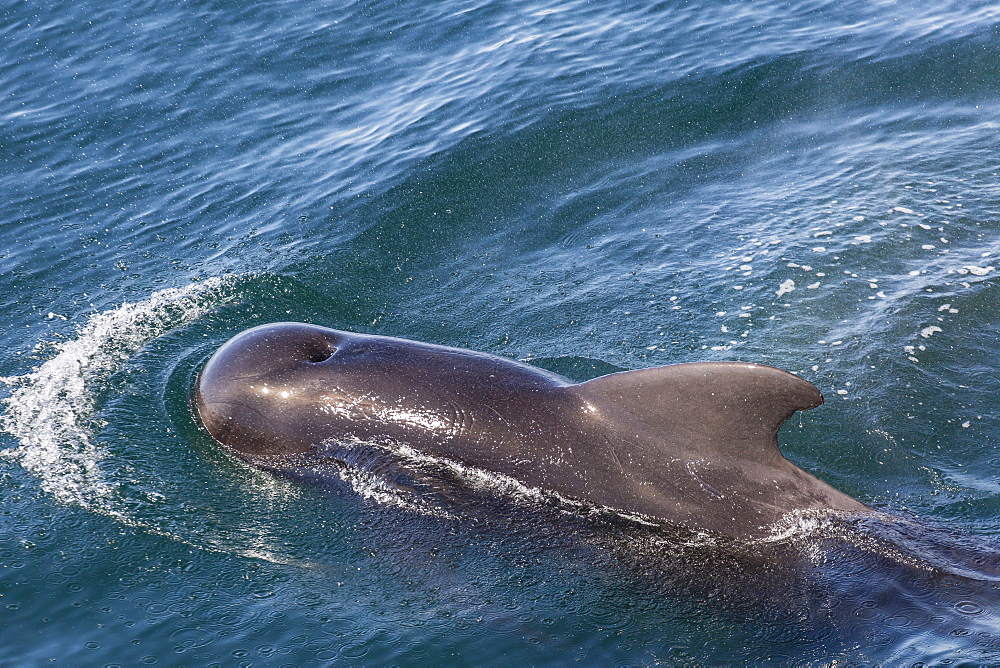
692 444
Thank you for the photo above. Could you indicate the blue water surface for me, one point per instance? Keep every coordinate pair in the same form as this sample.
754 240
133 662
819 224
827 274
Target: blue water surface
588 186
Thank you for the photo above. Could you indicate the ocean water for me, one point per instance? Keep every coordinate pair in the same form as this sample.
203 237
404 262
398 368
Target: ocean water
588 186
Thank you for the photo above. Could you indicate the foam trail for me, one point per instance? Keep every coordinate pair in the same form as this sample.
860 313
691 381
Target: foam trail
50 410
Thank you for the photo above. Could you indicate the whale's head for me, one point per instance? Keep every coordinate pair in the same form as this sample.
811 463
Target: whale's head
284 388
258 393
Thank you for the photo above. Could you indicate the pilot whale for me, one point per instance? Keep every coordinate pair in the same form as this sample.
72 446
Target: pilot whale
692 444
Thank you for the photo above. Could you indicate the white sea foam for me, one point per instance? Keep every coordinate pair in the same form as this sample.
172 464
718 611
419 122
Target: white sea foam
927 332
976 271
50 410
785 287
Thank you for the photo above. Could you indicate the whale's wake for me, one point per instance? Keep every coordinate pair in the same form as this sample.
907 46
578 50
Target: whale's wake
51 410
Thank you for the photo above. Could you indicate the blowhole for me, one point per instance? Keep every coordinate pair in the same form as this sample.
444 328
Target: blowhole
321 355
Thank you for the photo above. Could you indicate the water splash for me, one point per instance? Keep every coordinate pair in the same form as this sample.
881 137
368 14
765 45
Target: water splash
51 410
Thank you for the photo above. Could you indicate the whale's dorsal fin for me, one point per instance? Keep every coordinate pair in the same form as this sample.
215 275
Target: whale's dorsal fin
713 407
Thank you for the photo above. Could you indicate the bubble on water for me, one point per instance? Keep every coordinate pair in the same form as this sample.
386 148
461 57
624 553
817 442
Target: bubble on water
969 608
